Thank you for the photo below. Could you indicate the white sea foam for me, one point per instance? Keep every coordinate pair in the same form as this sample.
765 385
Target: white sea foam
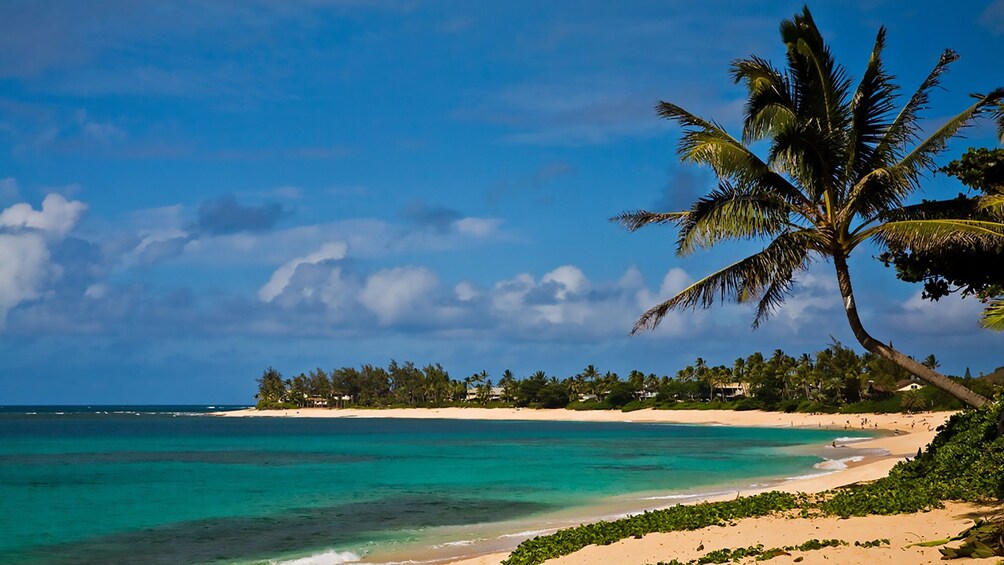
686 496
526 534
331 557
852 439
811 476
461 543
837 464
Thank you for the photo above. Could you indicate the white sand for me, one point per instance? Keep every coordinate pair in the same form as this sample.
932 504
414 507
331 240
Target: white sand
910 433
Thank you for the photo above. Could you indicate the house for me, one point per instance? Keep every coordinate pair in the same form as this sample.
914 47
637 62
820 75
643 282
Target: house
494 395
729 391
908 385
646 394
316 402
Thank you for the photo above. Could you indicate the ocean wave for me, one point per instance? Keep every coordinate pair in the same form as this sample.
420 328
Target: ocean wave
526 534
809 476
331 557
852 439
837 464
686 496
461 543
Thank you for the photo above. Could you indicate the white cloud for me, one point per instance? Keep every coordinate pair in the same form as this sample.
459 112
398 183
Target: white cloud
58 215
569 277
393 293
465 291
25 269
477 227
331 251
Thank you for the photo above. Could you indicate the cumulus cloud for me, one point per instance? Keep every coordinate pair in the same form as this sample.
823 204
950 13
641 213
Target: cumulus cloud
57 217
25 269
477 227
280 279
393 294
26 266
225 215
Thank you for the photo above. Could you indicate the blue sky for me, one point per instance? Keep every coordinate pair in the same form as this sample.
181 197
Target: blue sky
192 191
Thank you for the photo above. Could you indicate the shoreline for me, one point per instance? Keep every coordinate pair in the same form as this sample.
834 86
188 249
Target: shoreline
905 434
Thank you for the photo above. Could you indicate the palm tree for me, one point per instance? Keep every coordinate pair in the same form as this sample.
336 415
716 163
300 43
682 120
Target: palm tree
841 164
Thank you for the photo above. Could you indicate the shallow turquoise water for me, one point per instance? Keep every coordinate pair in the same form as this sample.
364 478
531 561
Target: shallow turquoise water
112 487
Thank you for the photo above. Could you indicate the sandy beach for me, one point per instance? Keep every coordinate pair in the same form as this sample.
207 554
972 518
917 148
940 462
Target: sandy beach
908 434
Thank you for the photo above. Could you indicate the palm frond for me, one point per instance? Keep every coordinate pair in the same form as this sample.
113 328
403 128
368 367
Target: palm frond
707 143
999 117
740 281
820 84
805 153
904 127
770 106
870 108
636 219
927 235
886 188
921 158
993 316
992 204
729 212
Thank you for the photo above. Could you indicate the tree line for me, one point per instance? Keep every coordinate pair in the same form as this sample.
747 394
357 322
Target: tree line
831 378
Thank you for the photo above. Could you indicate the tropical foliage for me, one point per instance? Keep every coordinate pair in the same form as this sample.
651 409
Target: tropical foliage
963 269
841 163
831 379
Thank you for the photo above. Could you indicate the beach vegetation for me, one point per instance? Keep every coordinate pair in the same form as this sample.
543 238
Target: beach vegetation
965 462
834 379
841 164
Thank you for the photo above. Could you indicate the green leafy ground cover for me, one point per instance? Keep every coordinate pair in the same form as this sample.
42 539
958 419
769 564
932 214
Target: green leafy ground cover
758 552
965 462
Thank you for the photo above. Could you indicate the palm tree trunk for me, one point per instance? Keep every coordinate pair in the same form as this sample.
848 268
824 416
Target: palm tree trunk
871 344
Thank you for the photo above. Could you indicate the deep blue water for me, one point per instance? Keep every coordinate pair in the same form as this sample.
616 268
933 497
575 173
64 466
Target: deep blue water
173 485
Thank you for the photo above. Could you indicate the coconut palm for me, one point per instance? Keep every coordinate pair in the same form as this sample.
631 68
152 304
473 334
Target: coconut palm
840 166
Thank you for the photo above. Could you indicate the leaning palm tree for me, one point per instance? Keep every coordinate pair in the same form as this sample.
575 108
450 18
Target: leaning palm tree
840 166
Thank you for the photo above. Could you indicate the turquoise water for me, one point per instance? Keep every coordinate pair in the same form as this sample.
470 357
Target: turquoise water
175 486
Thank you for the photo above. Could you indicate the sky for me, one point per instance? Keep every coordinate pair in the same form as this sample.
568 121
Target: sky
191 192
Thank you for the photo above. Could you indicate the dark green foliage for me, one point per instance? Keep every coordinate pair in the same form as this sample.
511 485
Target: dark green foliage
825 382
964 462
620 394
976 272
984 539
872 543
677 518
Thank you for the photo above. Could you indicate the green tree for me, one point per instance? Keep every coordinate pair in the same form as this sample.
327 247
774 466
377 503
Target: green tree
319 385
509 386
299 389
840 166
271 389
962 268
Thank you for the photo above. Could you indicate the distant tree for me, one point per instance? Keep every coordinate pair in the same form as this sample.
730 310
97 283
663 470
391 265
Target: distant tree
271 389
319 385
931 361
509 384
299 389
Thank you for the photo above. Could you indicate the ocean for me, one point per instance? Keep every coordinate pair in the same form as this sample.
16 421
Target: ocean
171 484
